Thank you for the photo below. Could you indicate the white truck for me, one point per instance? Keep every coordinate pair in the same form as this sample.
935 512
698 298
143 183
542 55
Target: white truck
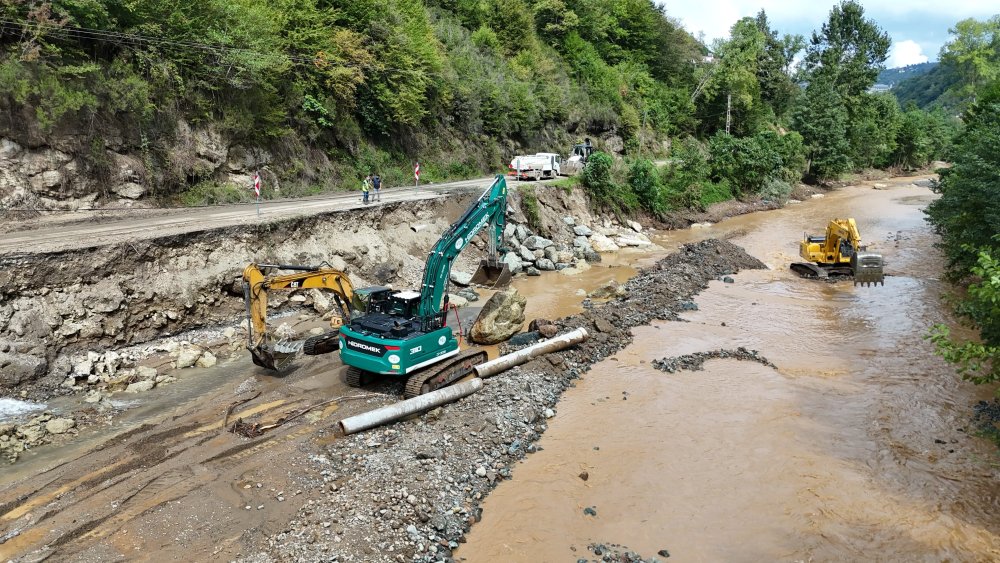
551 165
537 166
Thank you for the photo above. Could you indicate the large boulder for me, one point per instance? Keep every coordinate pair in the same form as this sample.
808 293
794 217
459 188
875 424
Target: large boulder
513 262
536 242
601 243
459 277
188 357
501 318
525 254
545 264
16 368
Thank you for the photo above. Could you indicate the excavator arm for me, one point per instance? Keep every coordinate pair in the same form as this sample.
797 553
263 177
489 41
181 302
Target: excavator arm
256 284
490 209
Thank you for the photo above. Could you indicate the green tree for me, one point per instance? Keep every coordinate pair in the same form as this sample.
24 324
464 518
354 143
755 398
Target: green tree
777 89
875 124
821 119
974 55
968 211
978 362
849 51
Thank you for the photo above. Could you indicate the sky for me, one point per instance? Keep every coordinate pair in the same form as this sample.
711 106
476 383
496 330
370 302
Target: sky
918 28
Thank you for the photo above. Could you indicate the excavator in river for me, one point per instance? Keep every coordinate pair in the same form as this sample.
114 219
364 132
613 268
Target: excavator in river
405 333
256 283
839 254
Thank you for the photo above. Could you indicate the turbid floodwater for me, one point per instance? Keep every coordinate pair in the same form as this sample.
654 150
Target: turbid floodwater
855 447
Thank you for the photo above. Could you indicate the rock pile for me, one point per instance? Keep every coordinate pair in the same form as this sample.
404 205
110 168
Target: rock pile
615 553
696 361
534 254
40 429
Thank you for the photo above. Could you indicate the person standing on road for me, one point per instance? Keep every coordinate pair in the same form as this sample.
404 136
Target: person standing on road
365 187
377 185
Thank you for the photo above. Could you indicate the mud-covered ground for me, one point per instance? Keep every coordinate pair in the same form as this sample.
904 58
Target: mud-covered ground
410 491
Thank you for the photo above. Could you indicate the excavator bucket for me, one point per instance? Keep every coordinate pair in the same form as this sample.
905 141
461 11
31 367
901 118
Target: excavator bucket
869 268
492 273
262 357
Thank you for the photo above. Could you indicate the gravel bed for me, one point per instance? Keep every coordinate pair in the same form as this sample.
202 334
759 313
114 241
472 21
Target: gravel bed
696 361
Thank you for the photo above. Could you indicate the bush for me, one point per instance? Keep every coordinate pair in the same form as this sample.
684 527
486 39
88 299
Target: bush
597 176
214 193
530 204
715 192
776 190
685 177
644 182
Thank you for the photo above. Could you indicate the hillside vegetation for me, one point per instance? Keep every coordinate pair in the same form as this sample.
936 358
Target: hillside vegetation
184 101
892 76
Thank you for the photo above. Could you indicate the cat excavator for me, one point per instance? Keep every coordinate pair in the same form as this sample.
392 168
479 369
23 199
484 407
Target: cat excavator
264 350
839 254
405 333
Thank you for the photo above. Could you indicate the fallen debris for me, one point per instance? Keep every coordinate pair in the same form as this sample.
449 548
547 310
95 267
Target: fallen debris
614 553
252 430
696 361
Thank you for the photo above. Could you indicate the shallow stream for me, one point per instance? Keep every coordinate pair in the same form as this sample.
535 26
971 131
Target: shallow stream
855 448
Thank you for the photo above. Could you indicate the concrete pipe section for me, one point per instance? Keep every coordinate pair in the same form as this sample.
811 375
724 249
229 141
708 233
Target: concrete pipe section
504 363
402 409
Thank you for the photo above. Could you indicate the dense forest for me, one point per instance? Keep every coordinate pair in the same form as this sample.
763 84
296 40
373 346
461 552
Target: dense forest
335 88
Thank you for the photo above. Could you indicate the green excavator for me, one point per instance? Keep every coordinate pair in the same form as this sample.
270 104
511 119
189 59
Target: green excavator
405 333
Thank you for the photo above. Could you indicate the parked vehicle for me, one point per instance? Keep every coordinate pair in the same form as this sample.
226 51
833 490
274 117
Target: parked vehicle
576 161
543 165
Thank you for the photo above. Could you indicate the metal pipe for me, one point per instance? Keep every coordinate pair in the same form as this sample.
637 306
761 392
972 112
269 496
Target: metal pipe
554 344
395 411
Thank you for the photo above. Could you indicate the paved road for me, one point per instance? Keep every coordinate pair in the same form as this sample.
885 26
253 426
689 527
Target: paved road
74 231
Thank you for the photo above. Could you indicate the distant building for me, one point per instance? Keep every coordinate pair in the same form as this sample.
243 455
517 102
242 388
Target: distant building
880 88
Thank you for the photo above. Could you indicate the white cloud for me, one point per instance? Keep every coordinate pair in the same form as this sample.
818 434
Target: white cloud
924 22
904 53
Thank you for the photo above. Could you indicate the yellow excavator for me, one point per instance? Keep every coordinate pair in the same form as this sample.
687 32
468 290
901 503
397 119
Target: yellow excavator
839 254
256 283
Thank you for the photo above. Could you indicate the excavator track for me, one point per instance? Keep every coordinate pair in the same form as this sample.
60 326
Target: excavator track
814 271
358 377
445 373
322 343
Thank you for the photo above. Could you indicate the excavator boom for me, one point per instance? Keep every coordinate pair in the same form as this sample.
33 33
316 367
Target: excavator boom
405 333
256 284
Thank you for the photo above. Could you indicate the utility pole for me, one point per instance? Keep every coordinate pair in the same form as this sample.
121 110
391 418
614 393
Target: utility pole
729 104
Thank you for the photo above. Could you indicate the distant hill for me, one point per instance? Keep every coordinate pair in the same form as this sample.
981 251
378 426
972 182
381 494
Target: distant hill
892 76
929 89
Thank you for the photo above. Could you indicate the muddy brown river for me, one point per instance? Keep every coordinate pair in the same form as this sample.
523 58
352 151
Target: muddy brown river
854 448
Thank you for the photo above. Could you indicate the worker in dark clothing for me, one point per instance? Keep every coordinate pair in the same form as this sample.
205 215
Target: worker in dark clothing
377 185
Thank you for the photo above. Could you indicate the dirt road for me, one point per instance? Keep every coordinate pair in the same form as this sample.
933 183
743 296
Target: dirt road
85 229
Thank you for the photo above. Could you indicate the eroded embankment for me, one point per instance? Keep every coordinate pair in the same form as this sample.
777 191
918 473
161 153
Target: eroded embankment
411 491
55 307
